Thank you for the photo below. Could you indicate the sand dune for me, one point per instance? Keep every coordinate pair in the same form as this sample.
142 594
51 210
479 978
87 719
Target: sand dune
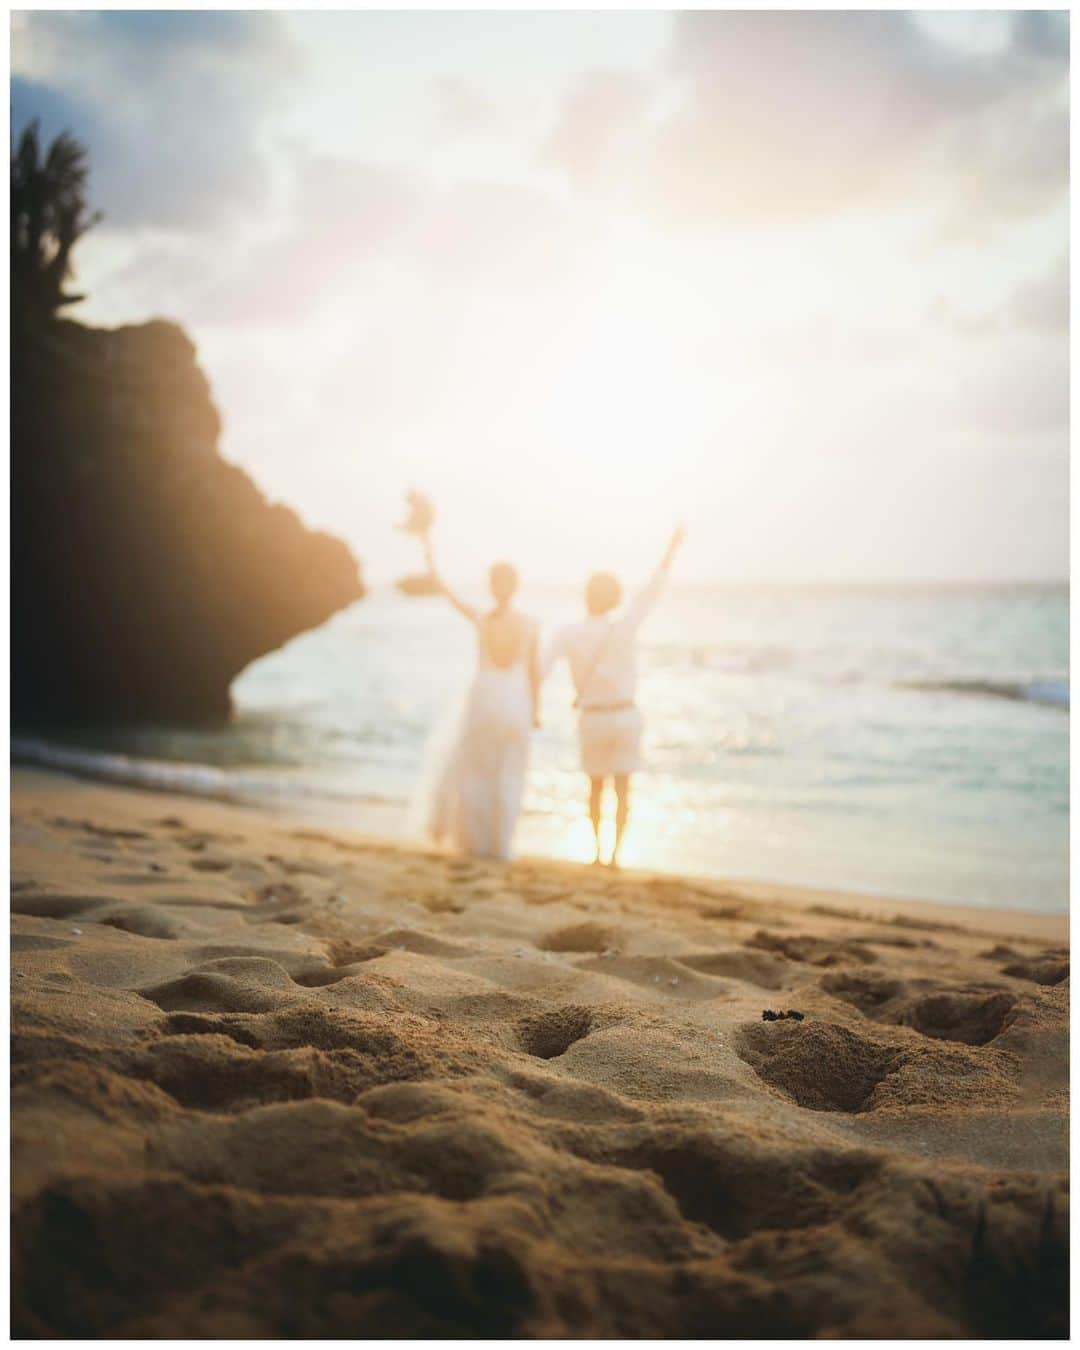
272 1082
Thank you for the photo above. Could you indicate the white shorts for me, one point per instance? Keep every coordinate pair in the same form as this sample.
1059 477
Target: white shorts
610 741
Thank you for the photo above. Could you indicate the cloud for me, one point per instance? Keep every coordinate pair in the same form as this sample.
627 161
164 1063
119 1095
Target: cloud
461 110
172 106
780 117
496 234
1043 305
1015 396
340 213
600 123
484 239
1037 307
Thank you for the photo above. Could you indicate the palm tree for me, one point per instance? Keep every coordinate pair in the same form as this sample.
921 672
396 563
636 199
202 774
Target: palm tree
48 217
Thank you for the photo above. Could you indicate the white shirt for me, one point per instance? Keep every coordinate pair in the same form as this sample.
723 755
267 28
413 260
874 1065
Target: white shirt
602 651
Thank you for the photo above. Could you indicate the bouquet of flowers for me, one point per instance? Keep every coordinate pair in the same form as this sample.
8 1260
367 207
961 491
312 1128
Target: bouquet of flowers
421 515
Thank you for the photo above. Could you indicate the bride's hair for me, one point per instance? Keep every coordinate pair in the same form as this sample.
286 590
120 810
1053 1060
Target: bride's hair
503 580
602 593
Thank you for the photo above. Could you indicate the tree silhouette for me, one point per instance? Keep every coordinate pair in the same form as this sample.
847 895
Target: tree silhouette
48 216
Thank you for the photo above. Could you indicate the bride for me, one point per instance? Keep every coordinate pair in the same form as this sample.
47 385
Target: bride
477 791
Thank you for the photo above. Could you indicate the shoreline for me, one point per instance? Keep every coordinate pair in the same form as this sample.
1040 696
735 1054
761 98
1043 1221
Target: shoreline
286 813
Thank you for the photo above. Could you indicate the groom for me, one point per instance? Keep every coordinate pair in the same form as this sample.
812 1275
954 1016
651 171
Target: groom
602 653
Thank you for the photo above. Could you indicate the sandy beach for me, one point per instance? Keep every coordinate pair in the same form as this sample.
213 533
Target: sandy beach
275 1082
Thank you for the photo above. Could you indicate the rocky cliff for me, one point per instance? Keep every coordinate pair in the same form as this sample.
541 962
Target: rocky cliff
147 572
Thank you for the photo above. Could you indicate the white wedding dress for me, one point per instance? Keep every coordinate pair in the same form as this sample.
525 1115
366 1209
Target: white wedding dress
478 785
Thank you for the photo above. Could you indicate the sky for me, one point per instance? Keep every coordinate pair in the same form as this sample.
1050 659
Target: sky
799 279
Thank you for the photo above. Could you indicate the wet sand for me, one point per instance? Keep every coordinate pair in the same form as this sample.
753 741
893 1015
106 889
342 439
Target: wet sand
275 1082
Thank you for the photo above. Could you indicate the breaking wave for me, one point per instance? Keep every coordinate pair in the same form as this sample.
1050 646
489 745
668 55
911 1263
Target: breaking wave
1050 693
183 778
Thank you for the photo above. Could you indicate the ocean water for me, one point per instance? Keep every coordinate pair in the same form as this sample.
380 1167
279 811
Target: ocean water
901 741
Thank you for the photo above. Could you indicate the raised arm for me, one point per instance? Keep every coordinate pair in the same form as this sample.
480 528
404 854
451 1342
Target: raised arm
642 603
459 604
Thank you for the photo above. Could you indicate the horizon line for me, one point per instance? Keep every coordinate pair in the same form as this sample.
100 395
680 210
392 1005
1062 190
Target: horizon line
938 583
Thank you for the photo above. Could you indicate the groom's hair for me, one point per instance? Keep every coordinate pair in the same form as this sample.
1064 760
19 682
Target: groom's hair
602 593
503 580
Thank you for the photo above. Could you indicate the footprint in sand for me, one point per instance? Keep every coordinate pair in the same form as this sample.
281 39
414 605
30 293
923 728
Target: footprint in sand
893 940
321 977
969 1016
342 952
540 895
195 841
102 831
45 905
442 904
581 937
1051 967
818 1065
824 1066
813 951
210 864
869 991
146 921
724 912
758 968
280 902
423 944
150 878
293 867
547 1035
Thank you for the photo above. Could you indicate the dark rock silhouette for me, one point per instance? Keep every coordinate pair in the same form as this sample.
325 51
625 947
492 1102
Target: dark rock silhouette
147 572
